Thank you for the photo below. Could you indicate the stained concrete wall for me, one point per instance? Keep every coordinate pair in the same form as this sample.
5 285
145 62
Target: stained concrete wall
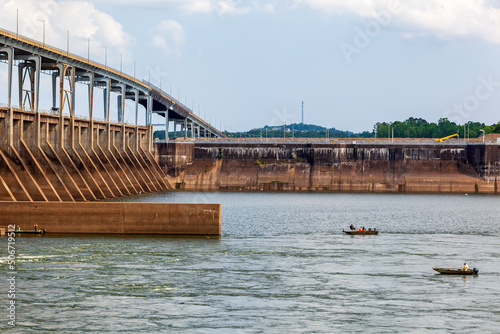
114 218
439 168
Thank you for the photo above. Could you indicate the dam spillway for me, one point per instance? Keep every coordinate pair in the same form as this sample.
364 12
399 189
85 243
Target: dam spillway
54 158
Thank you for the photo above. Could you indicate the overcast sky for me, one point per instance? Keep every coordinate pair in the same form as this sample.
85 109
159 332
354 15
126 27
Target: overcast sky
246 64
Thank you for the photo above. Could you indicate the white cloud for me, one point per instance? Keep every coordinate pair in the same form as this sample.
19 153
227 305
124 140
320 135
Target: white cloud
221 7
169 36
268 8
203 6
443 19
231 7
237 7
194 6
81 18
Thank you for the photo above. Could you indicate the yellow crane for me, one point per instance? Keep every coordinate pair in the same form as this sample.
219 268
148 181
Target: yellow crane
442 140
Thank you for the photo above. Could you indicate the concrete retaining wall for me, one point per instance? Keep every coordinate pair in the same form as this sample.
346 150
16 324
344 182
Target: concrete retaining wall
413 168
114 218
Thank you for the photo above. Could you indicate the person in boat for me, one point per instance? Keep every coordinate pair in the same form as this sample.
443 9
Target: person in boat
36 227
352 227
465 267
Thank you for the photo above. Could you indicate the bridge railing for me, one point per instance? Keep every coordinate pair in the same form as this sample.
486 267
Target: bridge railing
181 104
167 95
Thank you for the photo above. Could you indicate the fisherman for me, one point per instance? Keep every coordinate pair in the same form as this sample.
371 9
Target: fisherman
352 227
36 227
465 267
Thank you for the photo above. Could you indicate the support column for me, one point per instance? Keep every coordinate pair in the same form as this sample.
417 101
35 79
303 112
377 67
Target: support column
121 113
9 123
34 76
119 105
91 78
54 90
149 112
106 98
9 51
31 68
185 128
136 130
72 107
167 121
65 96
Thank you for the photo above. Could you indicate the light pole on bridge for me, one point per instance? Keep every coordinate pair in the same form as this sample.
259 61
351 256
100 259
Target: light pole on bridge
43 31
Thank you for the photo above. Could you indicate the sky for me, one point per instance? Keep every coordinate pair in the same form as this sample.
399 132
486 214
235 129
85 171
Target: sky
245 64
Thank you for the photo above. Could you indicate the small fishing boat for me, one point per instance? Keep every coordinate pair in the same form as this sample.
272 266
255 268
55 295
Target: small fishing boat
32 232
360 232
456 271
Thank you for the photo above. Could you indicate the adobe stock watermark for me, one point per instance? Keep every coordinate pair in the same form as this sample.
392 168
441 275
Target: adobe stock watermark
33 27
157 76
281 117
372 29
11 276
228 7
460 112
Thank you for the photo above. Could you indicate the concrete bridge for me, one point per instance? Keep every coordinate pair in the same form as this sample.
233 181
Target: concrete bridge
56 156
32 58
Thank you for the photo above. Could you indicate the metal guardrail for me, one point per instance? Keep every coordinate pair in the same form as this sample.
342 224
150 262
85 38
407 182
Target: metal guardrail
167 95
176 101
416 142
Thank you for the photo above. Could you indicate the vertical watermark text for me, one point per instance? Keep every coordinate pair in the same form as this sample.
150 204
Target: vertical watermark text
11 276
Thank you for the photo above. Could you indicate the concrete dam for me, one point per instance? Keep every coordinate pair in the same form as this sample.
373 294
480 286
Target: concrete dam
57 168
333 167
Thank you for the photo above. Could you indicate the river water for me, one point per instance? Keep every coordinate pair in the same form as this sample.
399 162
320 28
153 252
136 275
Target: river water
282 265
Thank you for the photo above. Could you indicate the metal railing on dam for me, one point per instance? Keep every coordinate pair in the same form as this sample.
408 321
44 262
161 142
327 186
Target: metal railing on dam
490 139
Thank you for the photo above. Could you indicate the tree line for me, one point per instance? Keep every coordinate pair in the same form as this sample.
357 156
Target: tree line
420 128
410 128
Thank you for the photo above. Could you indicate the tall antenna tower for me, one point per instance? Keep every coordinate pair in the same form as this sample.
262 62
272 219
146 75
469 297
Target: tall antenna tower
302 112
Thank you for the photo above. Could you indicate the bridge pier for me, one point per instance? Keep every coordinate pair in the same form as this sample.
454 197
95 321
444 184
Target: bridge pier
9 54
